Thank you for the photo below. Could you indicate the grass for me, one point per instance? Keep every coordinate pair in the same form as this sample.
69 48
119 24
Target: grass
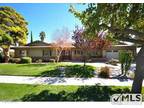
49 70
26 69
11 92
23 92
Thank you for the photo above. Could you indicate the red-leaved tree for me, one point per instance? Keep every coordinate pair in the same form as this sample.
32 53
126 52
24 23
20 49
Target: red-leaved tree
86 45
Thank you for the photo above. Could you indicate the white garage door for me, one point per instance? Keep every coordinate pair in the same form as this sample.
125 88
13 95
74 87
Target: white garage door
112 54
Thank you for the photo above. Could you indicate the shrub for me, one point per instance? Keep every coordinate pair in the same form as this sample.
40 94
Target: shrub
79 71
15 60
104 72
125 59
26 60
39 61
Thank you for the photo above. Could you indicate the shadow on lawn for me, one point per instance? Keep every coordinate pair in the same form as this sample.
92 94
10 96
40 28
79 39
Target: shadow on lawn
122 78
83 93
54 80
70 71
51 73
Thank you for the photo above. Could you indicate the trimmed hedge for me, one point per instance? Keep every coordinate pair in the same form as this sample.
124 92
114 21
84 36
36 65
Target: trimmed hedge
15 60
26 60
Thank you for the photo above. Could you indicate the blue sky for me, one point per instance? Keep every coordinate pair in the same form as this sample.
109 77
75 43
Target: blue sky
46 17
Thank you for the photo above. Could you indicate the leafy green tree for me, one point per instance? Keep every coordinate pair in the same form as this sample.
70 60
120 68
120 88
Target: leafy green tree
124 21
42 36
13 28
31 37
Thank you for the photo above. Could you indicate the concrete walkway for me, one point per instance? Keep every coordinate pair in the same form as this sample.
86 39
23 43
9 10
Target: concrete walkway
64 81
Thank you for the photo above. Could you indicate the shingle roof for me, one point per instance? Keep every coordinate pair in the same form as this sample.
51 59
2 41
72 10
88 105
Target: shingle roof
38 43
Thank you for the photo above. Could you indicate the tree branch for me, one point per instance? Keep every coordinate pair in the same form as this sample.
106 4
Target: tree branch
128 39
125 31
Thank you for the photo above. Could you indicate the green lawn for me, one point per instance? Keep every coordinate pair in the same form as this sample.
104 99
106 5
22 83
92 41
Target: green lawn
21 92
49 70
26 69
12 92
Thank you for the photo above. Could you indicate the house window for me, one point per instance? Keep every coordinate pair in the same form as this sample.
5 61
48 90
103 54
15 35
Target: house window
78 52
47 53
115 51
50 52
22 53
75 52
96 53
109 51
67 53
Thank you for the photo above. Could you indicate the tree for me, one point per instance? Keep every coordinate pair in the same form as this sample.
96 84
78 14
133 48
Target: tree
42 36
61 41
13 28
31 37
5 42
87 45
124 21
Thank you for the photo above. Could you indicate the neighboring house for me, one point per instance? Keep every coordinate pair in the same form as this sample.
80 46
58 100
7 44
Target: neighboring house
46 51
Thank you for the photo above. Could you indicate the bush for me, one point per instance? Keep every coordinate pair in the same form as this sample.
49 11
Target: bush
104 72
39 61
15 60
79 71
125 58
26 60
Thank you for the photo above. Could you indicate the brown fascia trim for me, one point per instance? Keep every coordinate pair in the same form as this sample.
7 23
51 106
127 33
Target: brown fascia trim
113 47
29 47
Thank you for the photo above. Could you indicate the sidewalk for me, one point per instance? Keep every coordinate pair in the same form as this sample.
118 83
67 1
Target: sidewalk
64 81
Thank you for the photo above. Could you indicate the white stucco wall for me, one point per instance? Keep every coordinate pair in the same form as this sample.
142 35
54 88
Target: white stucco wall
35 53
112 54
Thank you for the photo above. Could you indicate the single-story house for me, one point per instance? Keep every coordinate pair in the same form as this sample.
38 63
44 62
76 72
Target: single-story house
46 51
11 52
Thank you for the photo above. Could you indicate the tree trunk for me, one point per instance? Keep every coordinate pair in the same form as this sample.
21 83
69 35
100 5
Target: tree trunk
84 62
6 54
59 55
139 74
84 58
122 68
